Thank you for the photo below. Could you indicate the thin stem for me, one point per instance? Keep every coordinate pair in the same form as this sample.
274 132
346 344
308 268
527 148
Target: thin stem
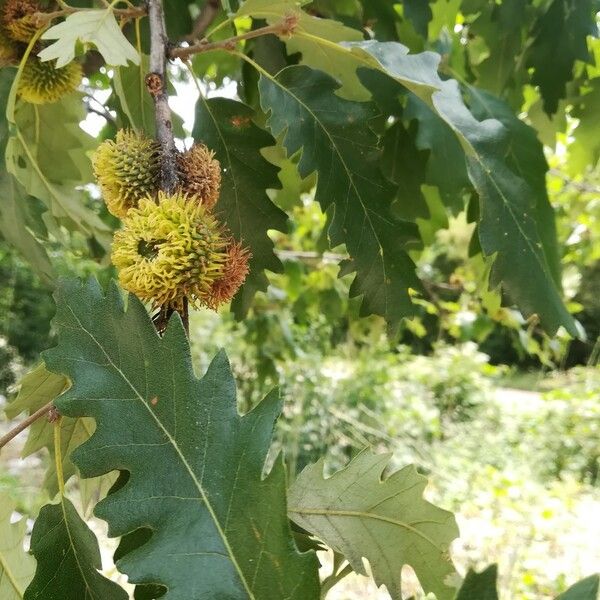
284 27
25 424
58 457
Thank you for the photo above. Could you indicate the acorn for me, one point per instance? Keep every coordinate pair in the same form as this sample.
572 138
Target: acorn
127 169
9 51
171 249
200 174
18 18
43 83
236 269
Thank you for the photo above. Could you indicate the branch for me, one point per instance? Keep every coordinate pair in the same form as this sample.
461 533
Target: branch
285 27
156 82
204 20
25 424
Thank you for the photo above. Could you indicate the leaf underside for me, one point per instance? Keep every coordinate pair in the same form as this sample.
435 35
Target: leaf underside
16 566
360 514
508 229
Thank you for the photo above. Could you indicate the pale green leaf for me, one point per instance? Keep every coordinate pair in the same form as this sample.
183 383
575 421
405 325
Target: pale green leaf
46 154
134 97
362 514
16 567
316 39
195 465
96 27
68 558
584 151
15 218
38 387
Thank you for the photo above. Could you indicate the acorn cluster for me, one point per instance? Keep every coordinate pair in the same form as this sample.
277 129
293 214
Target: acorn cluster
171 246
40 82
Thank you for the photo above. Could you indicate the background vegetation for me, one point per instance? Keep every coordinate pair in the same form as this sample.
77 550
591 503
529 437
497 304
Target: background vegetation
503 418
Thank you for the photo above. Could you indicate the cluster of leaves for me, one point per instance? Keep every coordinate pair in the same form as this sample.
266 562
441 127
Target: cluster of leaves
383 133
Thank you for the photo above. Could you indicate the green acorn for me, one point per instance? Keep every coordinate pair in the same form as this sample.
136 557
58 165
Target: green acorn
127 169
42 83
174 249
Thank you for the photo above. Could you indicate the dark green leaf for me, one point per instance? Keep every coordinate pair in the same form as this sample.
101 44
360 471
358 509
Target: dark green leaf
359 513
337 143
68 558
525 156
559 39
500 25
418 12
178 18
446 166
404 164
226 127
479 586
195 465
586 589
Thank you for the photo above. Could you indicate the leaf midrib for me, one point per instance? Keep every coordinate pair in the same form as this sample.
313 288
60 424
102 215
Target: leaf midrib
175 446
333 512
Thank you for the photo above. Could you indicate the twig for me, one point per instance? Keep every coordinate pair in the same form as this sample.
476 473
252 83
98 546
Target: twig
42 18
25 424
207 15
285 27
156 82
102 111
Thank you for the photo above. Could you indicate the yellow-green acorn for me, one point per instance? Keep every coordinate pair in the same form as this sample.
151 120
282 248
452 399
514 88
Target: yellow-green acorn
200 174
127 169
42 83
171 249
18 18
